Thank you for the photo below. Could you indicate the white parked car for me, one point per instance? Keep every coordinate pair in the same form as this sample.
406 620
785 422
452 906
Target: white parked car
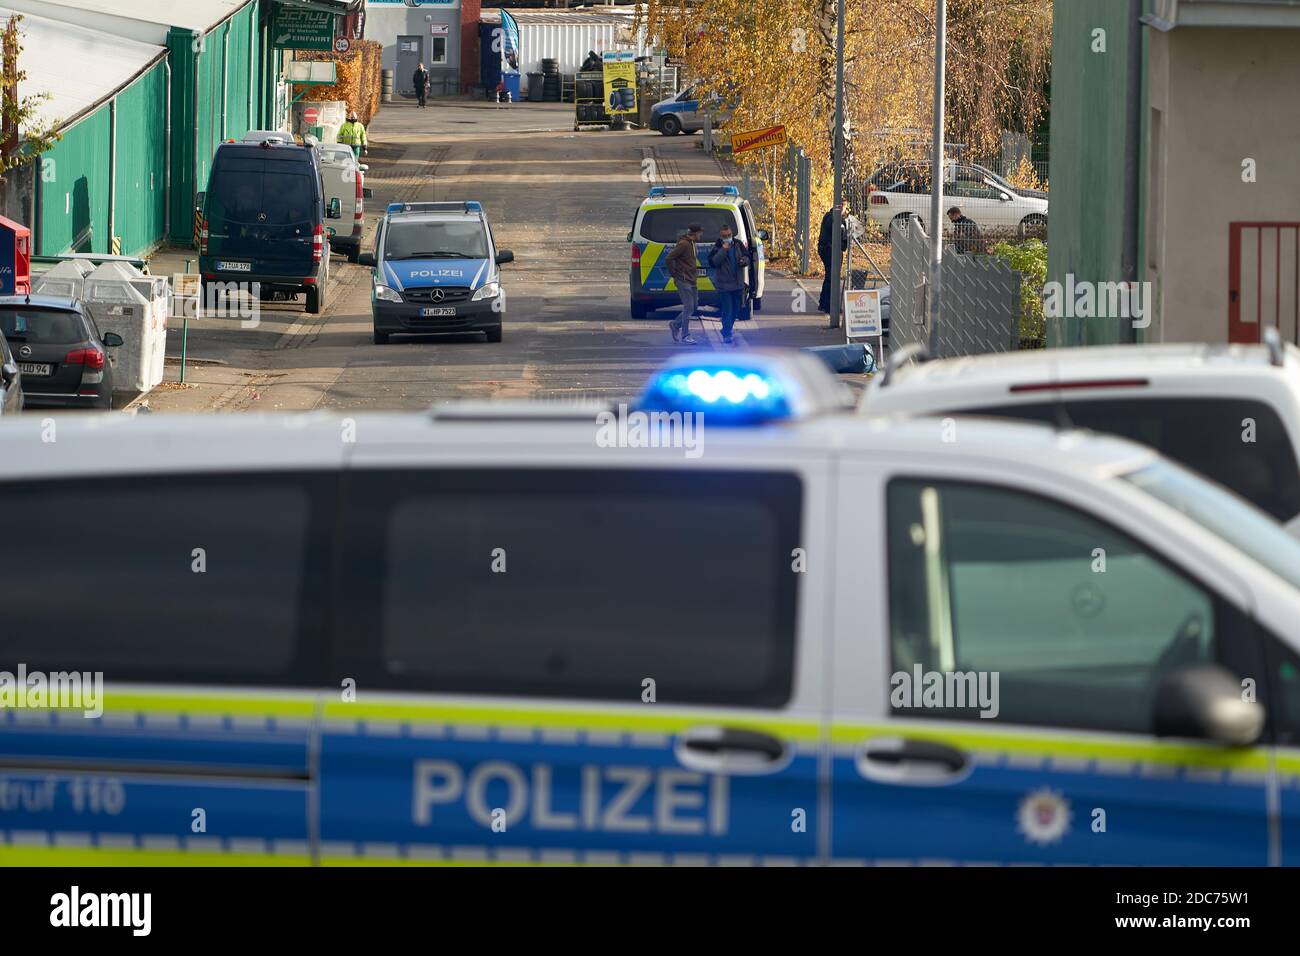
344 179
1231 412
901 191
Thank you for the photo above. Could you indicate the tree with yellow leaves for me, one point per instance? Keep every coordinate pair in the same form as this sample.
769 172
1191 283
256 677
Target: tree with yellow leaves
773 62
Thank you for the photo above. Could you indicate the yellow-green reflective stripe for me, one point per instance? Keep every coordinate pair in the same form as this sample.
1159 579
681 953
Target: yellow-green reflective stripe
790 729
241 705
649 256
1195 755
90 856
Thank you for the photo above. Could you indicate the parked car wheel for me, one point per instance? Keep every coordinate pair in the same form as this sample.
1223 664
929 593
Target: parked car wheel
315 299
493 334
670 125
902 220
639 310
380 338
1033 227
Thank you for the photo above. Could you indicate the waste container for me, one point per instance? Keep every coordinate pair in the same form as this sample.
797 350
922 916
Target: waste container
136 306
512 81
65 280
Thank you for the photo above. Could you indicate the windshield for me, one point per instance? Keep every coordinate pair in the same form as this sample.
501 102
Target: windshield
35 326
1223 514
435 240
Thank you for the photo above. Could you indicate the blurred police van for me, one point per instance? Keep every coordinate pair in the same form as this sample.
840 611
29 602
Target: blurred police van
556 634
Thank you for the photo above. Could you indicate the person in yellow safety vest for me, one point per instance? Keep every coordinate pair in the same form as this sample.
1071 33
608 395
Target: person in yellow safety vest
353 133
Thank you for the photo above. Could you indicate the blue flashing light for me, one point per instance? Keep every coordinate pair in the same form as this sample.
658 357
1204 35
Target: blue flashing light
658 191
471 206
727 394
730 191
396 207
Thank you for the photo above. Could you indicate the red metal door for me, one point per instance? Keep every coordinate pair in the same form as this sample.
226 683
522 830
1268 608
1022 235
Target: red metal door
1263 280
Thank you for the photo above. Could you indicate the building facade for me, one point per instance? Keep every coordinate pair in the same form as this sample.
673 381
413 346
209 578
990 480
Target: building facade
441 34
1215 237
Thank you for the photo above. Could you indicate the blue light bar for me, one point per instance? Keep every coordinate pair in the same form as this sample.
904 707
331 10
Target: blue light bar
730 191
658 191
749 388
731 394
466 206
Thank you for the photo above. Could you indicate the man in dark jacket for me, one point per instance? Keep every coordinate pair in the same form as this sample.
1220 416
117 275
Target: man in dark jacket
965 234
730 257
824 250
683 265
421 79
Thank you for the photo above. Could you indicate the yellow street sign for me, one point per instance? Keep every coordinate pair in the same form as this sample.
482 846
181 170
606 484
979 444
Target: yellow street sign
758 139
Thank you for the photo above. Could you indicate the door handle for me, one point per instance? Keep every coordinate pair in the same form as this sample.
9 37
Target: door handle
909 760
731 750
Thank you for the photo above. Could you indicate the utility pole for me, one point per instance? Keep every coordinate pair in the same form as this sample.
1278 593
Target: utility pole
837 160
936 177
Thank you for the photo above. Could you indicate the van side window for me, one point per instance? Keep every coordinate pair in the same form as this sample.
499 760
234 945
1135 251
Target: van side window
167 578
577 584
1079 622
1207 435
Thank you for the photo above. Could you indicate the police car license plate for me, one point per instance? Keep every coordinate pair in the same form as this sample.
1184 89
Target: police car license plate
703 272
444 310
234 266
33 368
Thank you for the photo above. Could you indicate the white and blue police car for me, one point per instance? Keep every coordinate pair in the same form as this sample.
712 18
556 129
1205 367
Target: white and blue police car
435 270
779 633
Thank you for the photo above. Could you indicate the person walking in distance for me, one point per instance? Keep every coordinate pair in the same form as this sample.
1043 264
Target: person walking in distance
683 265
421 80
824 250
730 257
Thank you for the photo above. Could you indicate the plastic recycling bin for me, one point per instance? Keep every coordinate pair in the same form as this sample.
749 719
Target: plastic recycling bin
136 306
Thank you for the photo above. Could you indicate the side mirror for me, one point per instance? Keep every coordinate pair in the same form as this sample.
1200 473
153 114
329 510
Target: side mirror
504 256
366 259
1204 702
112 339
1006 197
336 208
198 199
629 237
364 167
763 235
8 374
367 192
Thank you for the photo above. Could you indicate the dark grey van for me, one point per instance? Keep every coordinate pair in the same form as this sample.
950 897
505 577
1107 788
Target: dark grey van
264 216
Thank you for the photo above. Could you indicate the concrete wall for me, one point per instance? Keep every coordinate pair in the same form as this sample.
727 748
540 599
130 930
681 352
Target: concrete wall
386 21
1223 95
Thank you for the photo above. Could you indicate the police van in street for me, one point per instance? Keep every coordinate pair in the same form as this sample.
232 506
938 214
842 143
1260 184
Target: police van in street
661 220
435 270
1230 412
731 623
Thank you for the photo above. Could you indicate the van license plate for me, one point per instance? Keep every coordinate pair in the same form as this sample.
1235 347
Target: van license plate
32 368
442 311
234 266
703 273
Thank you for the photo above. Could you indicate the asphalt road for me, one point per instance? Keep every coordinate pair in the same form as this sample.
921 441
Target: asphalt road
561 201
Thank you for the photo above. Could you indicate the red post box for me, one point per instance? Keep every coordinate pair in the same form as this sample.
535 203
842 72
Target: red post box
15 258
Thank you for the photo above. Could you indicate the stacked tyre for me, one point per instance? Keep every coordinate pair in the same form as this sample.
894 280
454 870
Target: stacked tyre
551 80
